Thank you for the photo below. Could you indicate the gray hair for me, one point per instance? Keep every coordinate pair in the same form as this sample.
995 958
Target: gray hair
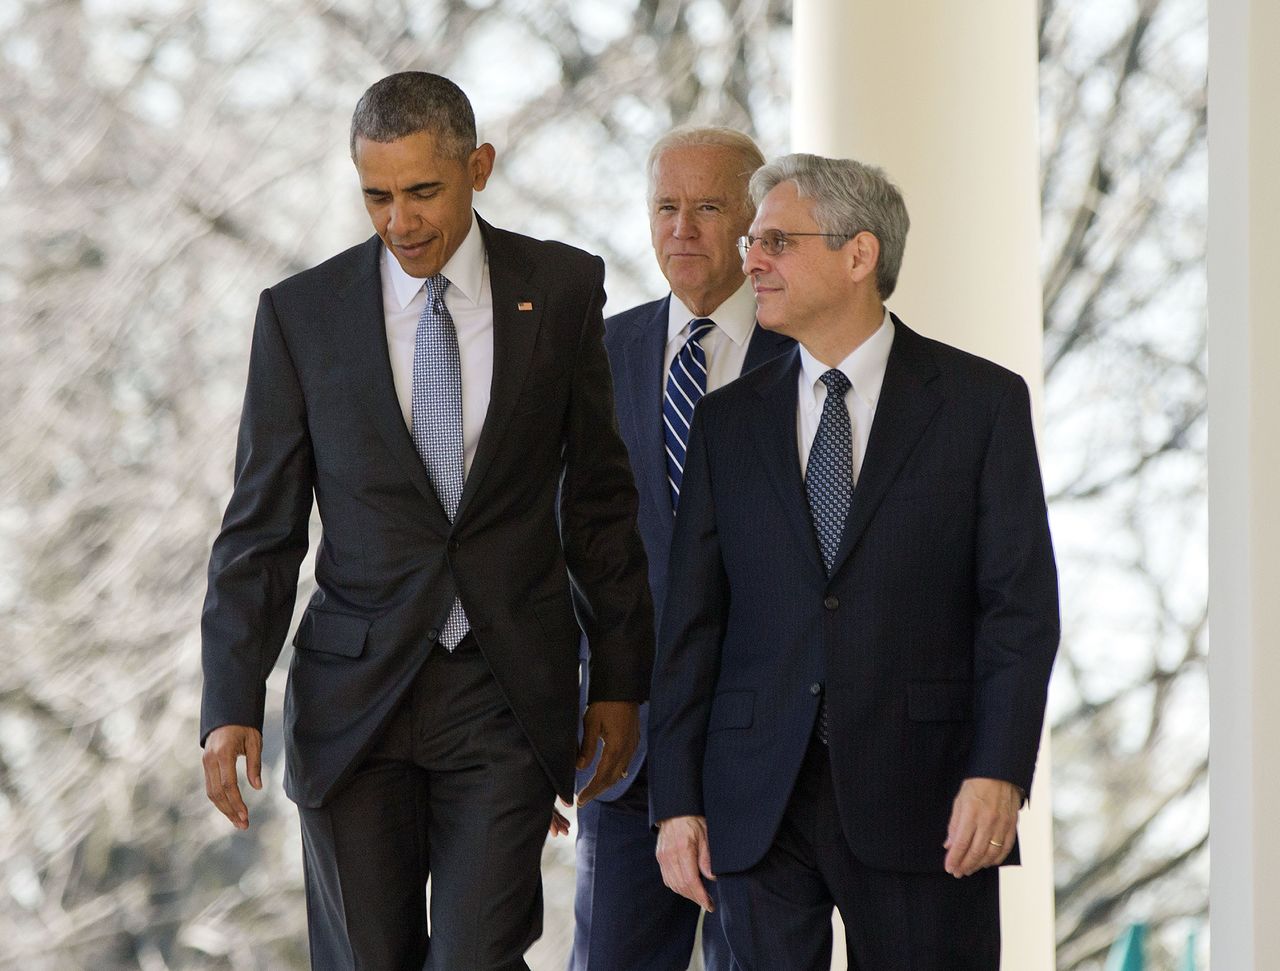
849 197
746 153
404 104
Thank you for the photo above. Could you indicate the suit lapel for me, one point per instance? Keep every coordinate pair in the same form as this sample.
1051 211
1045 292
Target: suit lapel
774 429
362 325
907 404
643 366
515 332
763 346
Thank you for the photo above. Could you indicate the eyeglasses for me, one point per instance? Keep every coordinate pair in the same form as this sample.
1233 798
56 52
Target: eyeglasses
774 241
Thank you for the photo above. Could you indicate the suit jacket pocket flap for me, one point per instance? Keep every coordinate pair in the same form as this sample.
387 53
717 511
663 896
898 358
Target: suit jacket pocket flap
330 633
934 701
732 709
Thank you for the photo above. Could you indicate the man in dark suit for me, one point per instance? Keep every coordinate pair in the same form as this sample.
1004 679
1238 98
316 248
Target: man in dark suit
853 658
664 355
435 388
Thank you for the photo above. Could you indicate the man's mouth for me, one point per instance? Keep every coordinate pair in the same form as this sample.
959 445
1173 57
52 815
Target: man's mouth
411 249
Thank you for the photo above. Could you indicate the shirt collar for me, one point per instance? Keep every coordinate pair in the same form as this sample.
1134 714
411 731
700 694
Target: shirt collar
465 269
864 367
736 316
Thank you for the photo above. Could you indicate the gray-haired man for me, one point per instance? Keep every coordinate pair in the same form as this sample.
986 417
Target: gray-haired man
861 612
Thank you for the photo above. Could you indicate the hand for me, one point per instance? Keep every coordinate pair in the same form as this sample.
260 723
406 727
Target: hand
618 724
984 814
222 750
685 857
559 821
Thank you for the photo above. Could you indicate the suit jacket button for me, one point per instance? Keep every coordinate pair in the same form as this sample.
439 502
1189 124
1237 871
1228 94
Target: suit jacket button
815 688
453 546
831 603
433 634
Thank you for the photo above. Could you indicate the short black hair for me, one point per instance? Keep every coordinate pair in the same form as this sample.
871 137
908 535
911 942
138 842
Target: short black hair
412 101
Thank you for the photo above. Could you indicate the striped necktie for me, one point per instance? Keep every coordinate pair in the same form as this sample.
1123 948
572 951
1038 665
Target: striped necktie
686 384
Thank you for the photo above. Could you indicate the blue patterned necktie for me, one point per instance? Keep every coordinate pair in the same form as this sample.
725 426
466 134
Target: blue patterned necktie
828 481
437 418
686 384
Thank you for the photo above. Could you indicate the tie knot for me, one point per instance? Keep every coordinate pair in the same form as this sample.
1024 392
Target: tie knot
436 286
837 384
699 327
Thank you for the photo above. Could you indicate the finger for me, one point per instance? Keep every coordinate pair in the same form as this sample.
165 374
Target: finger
213 786
1007 836
959 837
608 773
596 785
590 742
696 890
704 859
231 788
976 858
253 759
683 877
220 793
559 825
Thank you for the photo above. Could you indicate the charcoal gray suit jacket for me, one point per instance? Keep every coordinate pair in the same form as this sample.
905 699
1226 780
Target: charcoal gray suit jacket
544 545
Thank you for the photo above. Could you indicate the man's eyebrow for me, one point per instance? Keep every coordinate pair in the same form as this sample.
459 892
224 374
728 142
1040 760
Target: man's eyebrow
718 200
371 190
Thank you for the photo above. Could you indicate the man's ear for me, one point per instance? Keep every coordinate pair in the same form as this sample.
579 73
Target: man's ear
480 165
864 256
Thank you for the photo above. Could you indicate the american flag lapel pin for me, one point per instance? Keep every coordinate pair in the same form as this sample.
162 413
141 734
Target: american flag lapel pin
525 305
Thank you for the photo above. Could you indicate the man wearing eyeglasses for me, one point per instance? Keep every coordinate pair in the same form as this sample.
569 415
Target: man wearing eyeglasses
861 612
664 356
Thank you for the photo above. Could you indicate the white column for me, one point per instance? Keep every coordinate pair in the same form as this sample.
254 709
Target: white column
944 96
1244 483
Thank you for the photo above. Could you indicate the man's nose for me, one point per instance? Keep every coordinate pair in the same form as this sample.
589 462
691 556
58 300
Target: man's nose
686 226
754 260
401 220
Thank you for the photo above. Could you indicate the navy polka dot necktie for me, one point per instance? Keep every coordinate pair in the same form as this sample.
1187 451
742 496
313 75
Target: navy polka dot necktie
437 418
828 480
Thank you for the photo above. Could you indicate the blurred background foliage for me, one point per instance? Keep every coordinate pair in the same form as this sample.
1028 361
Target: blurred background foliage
161 161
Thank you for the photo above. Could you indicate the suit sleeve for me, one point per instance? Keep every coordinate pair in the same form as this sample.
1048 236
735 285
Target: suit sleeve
253 569
687 666
598 503
1017 630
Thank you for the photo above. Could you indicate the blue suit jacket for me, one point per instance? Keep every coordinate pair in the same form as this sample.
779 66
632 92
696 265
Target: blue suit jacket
635 340
934 635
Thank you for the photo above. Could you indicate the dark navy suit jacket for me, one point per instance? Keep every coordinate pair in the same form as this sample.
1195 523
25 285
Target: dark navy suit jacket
934 635
635 340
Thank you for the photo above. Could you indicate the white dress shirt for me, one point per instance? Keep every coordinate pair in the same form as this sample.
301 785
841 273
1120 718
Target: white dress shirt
725 344
470 302
865 370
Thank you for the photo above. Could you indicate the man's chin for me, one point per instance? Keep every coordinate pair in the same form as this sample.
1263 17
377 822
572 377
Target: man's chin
770 321
421 263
